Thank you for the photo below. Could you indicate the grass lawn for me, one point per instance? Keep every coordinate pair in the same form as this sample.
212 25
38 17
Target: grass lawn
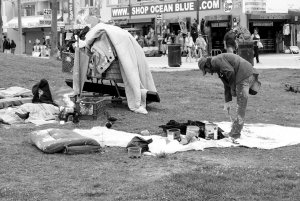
213 174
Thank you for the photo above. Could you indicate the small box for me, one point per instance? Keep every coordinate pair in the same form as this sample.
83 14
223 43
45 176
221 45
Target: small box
134 152
211 131
90 107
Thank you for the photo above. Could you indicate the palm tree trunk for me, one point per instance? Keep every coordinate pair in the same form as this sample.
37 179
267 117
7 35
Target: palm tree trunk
54 29
1 27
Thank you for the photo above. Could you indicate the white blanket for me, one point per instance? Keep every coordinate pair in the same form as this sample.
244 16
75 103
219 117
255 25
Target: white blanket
38 113
135 71
262 136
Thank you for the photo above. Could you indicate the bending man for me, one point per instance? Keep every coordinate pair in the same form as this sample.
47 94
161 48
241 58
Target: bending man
237 76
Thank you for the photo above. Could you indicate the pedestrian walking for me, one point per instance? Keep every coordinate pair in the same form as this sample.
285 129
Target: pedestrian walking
13 46
230 41
201 46
189 44
256 38
6 45
238 77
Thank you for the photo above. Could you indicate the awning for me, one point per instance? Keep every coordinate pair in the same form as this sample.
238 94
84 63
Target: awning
30 22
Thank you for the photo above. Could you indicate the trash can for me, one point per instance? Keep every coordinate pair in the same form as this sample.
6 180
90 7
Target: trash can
245 50
174 55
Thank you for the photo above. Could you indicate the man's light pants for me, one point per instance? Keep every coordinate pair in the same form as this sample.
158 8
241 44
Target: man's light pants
242 93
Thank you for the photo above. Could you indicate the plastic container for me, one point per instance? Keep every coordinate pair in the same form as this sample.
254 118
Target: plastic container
174 55
211 131
134 152
173 134
192 131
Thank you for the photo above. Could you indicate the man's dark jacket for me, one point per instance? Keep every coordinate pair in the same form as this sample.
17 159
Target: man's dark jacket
232 69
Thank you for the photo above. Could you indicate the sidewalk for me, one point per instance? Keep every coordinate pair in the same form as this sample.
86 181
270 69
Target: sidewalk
267 61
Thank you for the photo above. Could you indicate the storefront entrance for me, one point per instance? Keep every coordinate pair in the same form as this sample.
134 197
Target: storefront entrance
271 35
217 37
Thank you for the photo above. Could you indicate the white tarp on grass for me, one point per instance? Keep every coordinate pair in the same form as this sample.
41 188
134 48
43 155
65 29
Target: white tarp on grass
262 136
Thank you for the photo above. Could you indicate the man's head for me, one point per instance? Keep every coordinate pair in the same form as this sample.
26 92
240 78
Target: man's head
204 65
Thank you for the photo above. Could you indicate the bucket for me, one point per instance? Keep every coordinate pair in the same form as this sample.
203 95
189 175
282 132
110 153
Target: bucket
211 131
173 134
134 152
192 131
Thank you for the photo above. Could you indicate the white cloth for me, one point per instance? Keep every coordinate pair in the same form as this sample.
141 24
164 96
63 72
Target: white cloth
15 91
37 113
262 136
134 67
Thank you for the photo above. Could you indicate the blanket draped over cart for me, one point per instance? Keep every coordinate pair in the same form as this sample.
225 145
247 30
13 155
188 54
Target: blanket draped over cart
134 69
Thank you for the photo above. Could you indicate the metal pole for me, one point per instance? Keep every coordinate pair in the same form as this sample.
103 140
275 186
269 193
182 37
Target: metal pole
20 27
198 22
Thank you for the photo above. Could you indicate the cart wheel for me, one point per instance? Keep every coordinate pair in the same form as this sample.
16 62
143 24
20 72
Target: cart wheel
116 100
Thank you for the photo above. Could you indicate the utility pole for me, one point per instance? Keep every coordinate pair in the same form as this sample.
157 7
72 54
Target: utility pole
198 20
20 27
1 27
54 29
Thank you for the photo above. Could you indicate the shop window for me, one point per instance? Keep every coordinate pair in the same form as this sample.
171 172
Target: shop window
28 10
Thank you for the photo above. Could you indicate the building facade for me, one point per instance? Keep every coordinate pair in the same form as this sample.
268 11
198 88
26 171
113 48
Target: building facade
36 19
217 16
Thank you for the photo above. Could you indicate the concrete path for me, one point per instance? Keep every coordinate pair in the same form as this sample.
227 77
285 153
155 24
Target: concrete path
267 61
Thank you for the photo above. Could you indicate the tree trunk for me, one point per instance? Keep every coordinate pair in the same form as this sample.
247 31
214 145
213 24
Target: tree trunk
53 52
1 27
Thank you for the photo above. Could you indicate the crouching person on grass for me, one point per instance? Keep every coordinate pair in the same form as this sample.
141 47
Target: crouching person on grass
237 76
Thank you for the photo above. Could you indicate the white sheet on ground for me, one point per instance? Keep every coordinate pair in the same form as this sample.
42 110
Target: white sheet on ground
38 113
262 136
15 91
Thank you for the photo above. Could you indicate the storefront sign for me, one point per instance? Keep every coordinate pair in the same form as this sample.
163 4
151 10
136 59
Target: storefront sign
219 24
254 6
166 8
209 5
217 18
270 16
71 10
263 24
45 22
228 5
47 14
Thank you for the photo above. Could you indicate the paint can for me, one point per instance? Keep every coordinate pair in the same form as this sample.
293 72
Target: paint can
211 131
173 134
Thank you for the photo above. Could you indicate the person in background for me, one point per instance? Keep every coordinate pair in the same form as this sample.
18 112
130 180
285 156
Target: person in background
6 45
164 42
201 46
189 44
238 76
173 37
150 38
230 41
255 37
180 40
13 46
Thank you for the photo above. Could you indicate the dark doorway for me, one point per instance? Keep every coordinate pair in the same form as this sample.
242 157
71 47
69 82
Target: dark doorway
217 36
